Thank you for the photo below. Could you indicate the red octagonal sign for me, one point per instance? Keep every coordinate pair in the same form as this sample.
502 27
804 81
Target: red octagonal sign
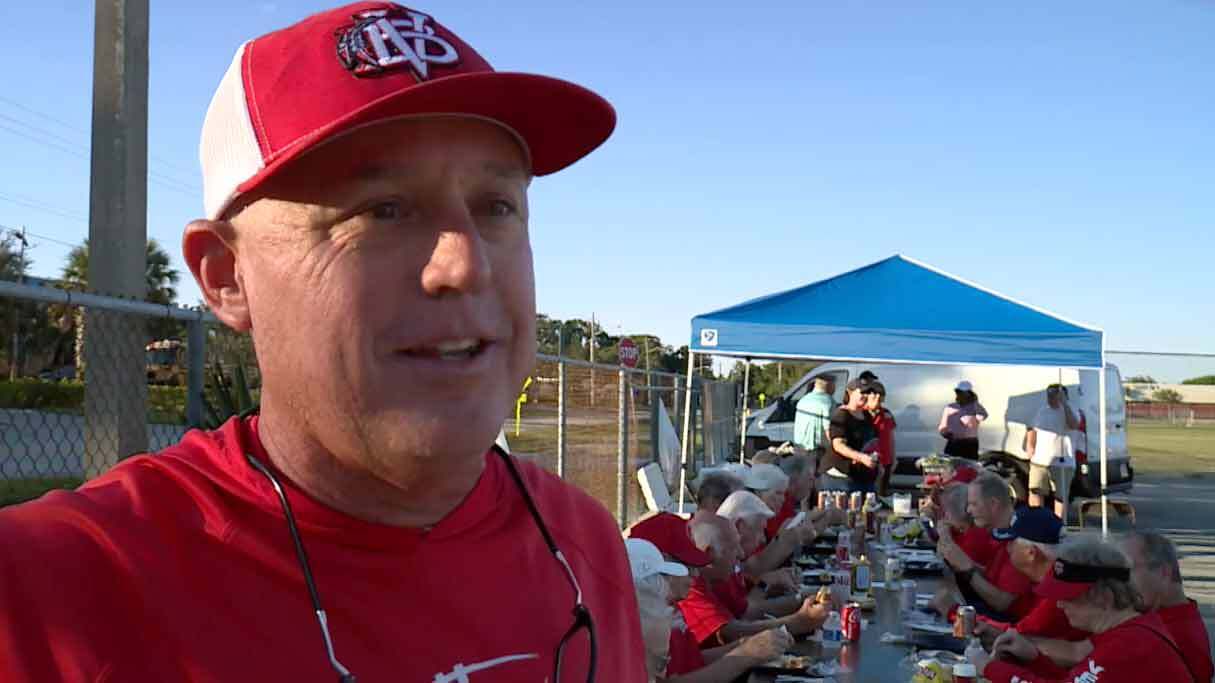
627 350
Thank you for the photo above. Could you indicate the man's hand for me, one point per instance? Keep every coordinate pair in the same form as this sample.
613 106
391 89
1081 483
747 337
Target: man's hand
1013 644
943 601
811 615
765 645
865 460
987 634
953 554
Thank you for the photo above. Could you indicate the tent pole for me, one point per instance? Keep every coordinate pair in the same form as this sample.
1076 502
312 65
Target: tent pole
742 429
1105 517
686 446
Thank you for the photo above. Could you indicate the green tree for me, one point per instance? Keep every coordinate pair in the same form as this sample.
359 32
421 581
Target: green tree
1140 379
1167 396
160 281
1205 380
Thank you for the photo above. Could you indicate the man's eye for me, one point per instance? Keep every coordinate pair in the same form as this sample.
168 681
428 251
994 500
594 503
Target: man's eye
387 211
500 208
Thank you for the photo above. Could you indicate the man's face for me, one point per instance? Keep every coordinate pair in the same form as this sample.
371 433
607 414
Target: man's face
726 554
856 400
1151 583
1053 398
390 290
1081 613
773 498
750 534
1024 557
979 507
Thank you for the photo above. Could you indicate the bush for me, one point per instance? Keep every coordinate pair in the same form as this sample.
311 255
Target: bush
36 394
166 405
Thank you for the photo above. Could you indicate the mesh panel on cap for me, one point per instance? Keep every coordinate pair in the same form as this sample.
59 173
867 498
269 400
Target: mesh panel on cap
229 150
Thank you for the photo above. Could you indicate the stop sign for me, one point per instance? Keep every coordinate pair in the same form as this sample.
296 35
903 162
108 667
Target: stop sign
627 350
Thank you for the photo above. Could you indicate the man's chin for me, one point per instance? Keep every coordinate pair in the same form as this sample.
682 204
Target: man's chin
435 436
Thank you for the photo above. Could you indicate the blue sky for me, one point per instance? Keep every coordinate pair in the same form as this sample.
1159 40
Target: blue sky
1061 153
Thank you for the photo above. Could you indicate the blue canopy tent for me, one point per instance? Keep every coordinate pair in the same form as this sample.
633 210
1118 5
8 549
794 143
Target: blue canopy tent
909 312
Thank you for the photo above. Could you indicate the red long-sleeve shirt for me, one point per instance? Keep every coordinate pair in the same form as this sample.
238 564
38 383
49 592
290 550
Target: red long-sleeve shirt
1132 652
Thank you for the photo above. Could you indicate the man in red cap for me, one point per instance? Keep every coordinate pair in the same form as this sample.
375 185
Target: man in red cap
671 535
365 177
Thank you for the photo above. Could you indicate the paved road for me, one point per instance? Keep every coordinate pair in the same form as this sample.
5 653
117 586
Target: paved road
40 444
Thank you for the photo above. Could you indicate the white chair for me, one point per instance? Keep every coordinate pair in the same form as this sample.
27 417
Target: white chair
657 497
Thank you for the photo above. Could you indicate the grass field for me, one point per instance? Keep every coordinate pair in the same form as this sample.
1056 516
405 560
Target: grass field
1160 448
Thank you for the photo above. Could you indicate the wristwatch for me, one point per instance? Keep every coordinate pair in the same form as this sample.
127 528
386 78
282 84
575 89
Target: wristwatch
969 573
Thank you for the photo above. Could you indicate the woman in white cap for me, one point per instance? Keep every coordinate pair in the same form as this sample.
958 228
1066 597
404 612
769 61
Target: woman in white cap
960 422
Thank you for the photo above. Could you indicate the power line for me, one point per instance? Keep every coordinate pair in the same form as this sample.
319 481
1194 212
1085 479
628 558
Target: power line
43 115
62 144
45 208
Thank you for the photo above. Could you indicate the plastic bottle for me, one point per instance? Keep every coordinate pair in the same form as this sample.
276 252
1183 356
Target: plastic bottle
833 631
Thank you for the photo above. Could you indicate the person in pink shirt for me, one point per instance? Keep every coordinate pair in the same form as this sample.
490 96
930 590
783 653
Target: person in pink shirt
960 422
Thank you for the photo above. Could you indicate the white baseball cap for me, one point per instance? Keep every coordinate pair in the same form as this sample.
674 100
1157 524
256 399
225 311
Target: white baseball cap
646 560
964 385
765 477
743 504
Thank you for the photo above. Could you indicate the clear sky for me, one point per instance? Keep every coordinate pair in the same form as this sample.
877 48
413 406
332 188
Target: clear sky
1061 153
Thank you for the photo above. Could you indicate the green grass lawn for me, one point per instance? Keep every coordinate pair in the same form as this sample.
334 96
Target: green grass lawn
1160 448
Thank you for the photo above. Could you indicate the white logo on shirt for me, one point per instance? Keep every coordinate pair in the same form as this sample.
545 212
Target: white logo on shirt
459 674
1091 675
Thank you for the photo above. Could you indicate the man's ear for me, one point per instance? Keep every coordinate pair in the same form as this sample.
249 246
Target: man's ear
210 251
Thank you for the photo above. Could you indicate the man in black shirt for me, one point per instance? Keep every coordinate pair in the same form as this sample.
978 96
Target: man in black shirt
846 466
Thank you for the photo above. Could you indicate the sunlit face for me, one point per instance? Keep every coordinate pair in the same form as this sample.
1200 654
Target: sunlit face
873 402
390 287
750 534
774 498
980 508
1024 556
727 553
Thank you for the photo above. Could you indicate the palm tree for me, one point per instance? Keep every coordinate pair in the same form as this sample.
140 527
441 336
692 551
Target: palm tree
160 281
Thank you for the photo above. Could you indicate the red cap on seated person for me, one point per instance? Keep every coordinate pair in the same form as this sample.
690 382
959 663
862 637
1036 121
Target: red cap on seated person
1068 581
670 533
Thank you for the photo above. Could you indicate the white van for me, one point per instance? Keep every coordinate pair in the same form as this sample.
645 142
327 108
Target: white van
917 394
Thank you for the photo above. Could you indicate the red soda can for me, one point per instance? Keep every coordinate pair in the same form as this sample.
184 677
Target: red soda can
851 622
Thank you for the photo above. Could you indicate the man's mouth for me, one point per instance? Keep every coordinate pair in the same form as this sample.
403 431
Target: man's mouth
449 350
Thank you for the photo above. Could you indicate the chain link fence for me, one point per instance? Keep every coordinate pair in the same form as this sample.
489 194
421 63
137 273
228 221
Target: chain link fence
88 380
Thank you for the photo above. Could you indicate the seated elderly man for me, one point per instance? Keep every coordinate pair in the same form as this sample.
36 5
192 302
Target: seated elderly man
1156 574
750 515
708 618
777 542
1091 581
990 584
686 662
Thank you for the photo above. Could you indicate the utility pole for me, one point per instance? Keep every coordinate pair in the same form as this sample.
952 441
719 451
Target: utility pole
591 357
115 390
15 349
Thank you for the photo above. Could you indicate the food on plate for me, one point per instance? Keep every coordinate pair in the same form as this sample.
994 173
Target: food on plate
932 671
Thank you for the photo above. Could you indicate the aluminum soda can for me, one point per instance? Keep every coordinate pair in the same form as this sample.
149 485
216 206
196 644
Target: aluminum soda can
842 546
854 501
841 500
907 598
964 623
824 500
851 618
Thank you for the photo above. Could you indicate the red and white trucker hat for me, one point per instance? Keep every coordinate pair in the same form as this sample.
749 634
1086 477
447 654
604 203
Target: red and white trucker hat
292 90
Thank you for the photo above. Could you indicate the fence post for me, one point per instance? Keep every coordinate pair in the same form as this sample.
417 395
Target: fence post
622 448
196 343
561 410
654 399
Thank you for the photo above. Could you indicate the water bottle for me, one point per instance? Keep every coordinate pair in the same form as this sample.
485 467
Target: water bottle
833 635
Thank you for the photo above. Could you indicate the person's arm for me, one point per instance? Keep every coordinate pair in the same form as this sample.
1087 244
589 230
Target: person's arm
995 598
1031 441
772 607
943 428
842 448
1066 654
774 554
801 622
980 412
728 662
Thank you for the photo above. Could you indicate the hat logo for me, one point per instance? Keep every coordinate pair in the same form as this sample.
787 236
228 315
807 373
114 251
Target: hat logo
390 39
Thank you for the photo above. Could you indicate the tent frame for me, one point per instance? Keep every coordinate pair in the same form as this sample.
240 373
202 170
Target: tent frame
750 355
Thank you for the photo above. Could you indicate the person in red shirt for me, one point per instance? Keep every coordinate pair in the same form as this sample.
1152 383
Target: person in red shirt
884 424
367 219
670 534
973 540
995 589
710 621
1156 574
1091 582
